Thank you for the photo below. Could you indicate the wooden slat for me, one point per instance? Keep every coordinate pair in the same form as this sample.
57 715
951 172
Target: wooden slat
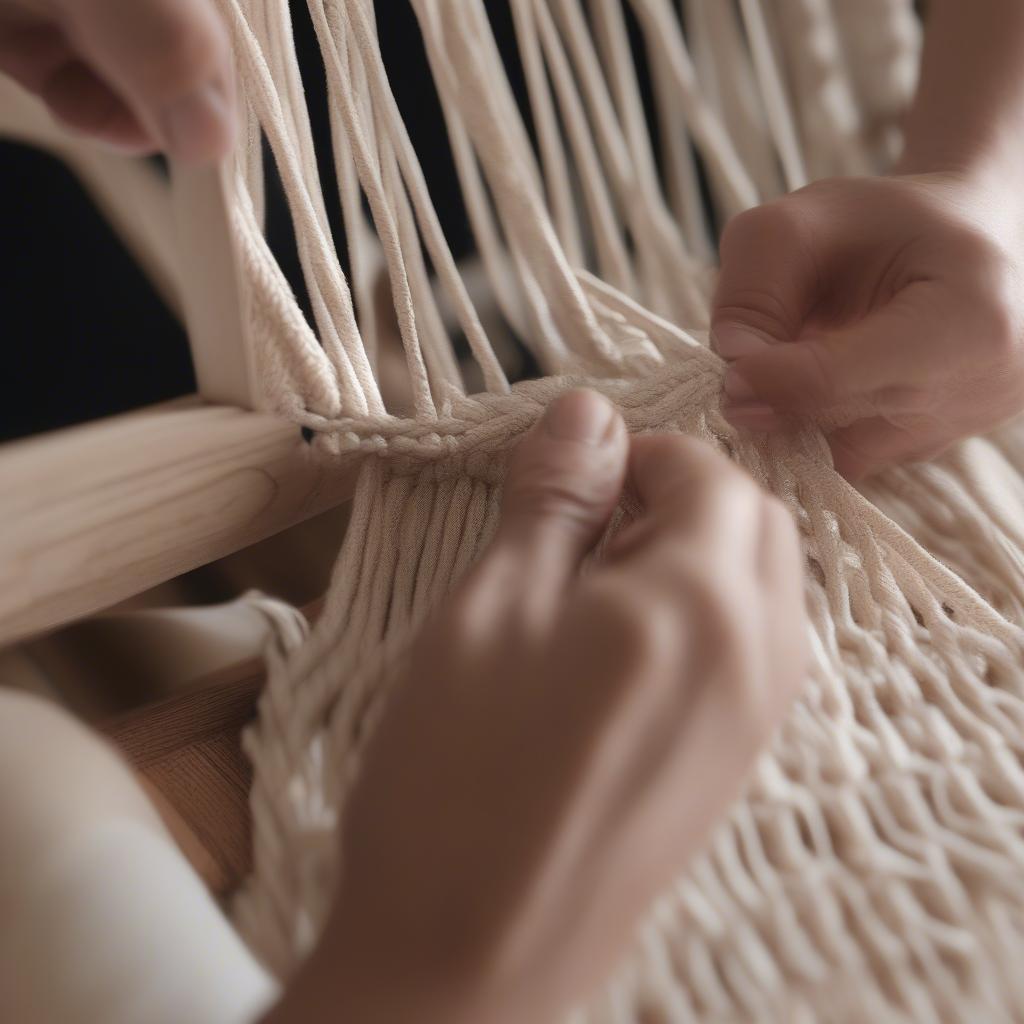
210 295
219 704
187 754
92 515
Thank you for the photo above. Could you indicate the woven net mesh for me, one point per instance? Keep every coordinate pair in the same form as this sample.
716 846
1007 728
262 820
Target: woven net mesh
871 870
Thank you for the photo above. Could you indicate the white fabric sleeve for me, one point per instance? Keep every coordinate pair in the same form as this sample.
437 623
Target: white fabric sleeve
115 927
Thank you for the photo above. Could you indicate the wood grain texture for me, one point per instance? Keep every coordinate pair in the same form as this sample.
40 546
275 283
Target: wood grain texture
188 756
220 704
210 296
187 753
92 515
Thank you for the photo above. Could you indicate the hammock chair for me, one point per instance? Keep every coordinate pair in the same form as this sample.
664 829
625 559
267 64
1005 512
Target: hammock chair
872 869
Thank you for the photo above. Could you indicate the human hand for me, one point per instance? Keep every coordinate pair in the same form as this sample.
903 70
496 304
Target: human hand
897 298
140 75
561 743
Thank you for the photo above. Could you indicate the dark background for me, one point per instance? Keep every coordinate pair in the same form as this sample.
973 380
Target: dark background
84 334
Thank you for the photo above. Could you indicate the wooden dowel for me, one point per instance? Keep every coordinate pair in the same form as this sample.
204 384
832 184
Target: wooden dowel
94 514
210 294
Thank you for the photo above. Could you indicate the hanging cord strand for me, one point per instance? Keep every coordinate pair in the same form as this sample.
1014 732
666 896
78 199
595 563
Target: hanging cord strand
358 386
334 36
777 108
433 236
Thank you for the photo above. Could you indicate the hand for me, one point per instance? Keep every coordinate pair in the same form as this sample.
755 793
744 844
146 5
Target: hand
139 75
562 743
897 300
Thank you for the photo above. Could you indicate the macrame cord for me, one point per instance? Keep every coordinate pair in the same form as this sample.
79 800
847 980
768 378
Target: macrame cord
872 869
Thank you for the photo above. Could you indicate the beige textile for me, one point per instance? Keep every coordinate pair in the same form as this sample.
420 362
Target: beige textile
872 870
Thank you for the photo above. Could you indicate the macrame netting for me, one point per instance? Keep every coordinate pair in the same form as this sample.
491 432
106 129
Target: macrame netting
873 869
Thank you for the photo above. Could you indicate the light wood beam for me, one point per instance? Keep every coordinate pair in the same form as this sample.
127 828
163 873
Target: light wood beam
94 514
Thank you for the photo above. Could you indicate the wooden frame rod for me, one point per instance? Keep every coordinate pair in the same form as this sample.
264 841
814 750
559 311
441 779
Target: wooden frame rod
210 293
94 514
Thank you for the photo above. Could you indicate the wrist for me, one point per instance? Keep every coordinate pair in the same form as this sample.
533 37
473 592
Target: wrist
990 166
966 117
345 980
979 184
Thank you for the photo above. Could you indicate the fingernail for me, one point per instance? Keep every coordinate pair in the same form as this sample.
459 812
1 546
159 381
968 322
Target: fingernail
737 388
198 126
731 341
582 416
753 416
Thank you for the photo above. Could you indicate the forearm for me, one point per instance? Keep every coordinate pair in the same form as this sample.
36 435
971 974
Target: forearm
968 114
345 980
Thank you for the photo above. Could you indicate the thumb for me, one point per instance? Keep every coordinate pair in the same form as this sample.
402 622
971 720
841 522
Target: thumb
169 60
563 482
768 279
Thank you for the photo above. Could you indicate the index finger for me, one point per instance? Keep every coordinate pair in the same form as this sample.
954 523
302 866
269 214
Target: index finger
691 496
169 60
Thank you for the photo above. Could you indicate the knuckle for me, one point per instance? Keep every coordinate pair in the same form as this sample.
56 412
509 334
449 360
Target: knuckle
855 461
761 309
740 230
668 453
187 53
461 611
470 611
447 629
999 316
1001 335
543 497
662 448
471 630
614 614
698 477
717 606
563 481
822 380
727 494
925 403
735 487
638 634
751 293
778 220
971 243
